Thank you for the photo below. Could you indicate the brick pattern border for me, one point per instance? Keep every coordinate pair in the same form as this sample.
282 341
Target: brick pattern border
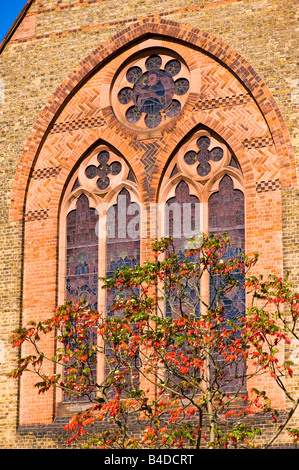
46 172
258 142
265 186
75 125
226 102
149 157
36 215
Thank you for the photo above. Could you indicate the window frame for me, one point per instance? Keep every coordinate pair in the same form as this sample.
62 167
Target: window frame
101 201
202 188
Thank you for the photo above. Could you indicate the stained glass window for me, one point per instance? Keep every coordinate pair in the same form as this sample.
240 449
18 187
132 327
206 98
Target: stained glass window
182 217
123 249
86 238
103 170
153 90
82 262
203 156
133 74
226 214
133 115
173 109
181 86
82 254
173 67
123 235
182 222
125 95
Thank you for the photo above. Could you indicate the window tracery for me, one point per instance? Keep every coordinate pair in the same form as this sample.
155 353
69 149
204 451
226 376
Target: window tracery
205 169
100 221
82 254
151 89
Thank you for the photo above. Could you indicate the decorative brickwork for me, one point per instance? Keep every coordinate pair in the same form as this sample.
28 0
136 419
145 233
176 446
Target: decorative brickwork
36 215
45 172
75 125
228 101
263 186
149 151
258 142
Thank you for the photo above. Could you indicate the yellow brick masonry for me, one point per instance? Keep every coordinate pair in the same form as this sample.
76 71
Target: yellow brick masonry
49 44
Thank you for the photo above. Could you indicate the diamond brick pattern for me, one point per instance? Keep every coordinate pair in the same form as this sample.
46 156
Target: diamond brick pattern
258 142
225 102
76 125
46 172
36 215
265 186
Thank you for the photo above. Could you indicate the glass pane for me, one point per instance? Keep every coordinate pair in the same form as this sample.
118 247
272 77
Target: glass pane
182 217
226 214
82 254
123 249
182 221
123 235
82 263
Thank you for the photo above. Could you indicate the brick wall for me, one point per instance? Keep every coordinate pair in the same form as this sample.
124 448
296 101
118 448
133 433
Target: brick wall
41 140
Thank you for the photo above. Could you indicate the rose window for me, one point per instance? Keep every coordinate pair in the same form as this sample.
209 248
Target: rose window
152 91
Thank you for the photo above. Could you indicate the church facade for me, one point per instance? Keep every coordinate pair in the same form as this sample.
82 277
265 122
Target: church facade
143 104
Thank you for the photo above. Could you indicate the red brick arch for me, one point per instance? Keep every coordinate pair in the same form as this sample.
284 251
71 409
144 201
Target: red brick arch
47 273
145 28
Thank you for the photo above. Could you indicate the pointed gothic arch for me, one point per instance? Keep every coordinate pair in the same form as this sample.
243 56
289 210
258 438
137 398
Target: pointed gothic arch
57 144
150 27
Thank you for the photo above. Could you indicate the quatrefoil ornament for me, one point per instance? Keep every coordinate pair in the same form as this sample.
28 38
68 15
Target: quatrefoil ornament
203 156
102 171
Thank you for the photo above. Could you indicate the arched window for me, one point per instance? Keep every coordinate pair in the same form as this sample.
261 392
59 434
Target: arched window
182 221
100 225
182 218
123 249
123 237
226 214
82 254
202 192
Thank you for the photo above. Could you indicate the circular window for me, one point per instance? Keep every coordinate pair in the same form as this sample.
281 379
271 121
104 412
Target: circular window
151 91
